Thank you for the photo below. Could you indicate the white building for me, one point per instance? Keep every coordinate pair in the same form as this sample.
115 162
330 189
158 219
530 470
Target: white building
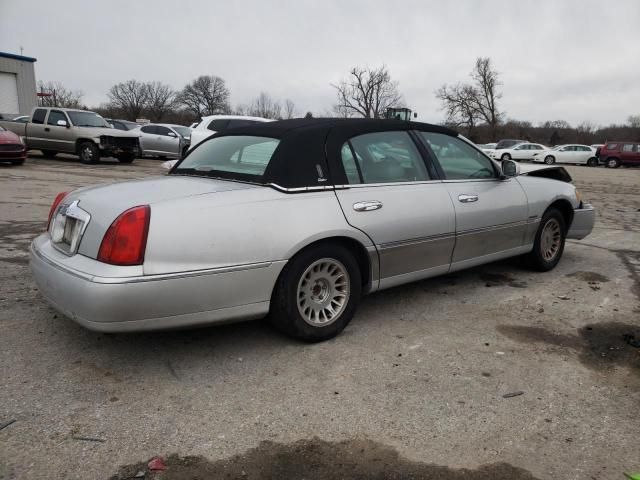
17 85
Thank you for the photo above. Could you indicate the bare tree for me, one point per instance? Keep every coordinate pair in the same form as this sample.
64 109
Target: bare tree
59 95
206 95
367 92
160 100
266 107
289 108
130 98
469 104
633 121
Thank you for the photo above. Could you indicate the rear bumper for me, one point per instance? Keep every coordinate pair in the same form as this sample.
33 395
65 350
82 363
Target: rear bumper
583 221
138 303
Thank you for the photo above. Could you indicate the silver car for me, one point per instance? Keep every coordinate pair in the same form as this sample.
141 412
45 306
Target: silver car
163 140
296 219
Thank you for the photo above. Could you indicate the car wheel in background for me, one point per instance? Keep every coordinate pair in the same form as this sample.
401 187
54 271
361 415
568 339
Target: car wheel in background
549 242
549 160
49 153
505 156
317 293
613 162
592 162
126 157
17 162
88 152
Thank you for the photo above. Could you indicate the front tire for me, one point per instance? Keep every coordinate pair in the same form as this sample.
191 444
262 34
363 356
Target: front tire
548 245
549 160
88 152
317 293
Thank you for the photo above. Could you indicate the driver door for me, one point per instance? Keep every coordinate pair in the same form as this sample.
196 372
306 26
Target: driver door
491 213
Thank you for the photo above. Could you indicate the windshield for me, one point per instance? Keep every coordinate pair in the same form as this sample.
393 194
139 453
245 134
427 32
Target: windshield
87 119
184 131
237 157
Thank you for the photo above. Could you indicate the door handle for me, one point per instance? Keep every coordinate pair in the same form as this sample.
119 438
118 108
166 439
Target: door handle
46 129
465 198
367 206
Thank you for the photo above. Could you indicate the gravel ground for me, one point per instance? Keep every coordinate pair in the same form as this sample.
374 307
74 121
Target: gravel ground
415 387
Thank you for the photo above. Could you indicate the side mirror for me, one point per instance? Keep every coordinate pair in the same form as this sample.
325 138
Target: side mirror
62 123
510 168
171 134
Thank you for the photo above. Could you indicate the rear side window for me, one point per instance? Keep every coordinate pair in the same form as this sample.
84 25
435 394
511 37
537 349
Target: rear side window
384 157
611 146
217 125
148 129
458 160
38 116
627 147
350 165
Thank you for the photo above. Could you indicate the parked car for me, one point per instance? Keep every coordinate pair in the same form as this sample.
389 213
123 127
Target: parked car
614 154
80 132
163 140
520 151
487 147
576 154
21 119
12 148
502 144
296 218
124 125
219 123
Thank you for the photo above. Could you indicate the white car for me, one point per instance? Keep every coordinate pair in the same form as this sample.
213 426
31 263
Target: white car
576 154
521 151
218 123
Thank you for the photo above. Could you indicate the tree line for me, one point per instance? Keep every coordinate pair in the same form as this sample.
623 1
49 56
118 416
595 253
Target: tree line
470 107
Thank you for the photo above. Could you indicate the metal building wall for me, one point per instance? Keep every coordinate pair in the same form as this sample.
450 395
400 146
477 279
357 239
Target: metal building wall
26 82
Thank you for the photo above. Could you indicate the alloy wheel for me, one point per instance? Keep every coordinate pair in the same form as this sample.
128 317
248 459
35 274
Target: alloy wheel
323 292
550 239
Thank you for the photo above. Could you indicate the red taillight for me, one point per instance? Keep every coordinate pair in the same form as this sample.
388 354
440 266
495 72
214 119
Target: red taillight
55 204
126 239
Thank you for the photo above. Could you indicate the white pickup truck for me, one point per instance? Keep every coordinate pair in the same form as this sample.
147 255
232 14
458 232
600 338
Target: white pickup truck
55 130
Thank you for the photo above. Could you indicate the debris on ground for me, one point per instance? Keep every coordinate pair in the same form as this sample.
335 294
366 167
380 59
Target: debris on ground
89 439
156 464
4 425
564 297
513 394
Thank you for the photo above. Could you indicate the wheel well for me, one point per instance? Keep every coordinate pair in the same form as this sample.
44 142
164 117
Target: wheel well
566 209
356 248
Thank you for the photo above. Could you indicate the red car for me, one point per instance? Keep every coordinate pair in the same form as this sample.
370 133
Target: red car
11 148
614 154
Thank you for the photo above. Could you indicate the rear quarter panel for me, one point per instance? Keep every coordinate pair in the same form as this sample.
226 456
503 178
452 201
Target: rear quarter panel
240 227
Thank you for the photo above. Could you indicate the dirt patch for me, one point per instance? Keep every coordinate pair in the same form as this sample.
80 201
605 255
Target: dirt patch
317 459
588 276
493 279
600 346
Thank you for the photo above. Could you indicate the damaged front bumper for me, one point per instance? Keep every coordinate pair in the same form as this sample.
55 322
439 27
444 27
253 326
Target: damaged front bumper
584 218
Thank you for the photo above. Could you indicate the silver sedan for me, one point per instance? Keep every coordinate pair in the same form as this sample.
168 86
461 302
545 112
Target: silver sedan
296 220
163 140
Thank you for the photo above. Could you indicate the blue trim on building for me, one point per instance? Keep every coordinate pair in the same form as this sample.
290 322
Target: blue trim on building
22 58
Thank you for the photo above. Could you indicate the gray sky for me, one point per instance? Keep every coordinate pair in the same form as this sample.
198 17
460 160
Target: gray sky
574 59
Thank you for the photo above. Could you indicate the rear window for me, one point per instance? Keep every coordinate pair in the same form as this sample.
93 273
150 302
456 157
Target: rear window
237 157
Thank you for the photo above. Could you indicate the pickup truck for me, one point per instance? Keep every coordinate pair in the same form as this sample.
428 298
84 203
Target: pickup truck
80 132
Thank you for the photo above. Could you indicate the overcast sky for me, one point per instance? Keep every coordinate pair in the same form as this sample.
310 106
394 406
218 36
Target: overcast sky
572 60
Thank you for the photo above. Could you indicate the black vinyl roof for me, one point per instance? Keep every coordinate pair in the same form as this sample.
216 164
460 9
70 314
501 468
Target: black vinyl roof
308 154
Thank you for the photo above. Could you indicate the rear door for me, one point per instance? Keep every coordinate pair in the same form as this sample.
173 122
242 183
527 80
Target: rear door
583 154
491 213
629 153
520 152
59 137
393 199
35 129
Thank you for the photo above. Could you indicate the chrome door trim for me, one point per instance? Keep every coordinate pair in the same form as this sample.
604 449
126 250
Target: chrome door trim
495 227
388 184
414 241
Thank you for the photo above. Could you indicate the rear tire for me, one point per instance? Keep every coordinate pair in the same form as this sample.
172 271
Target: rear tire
88 152
613 162
49 153
548 245
592 162
317 293
549 160
17 162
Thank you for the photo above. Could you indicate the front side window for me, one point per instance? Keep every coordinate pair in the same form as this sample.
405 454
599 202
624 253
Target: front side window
87 119
38 116
458 160
236 157
164 131
628 147
383 157
183 131
54 116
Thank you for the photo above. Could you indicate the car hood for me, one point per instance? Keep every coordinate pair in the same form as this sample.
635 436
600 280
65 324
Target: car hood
106 202
99 131
546 171
7 136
